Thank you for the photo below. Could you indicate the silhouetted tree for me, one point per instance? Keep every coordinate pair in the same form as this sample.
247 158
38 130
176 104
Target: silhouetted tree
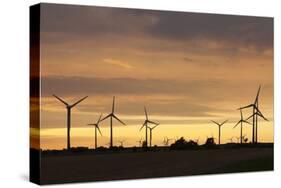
181 144
210 142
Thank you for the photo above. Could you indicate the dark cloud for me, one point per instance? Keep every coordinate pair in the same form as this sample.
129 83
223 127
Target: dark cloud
73 22
68 22
242 30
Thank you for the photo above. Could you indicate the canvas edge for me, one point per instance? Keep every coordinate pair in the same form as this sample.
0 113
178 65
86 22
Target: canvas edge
34 94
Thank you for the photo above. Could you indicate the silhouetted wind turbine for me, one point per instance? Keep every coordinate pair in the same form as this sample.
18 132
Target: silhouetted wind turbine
254 116
166 141
111 116
68 123
219 124
140 141
145 124
150 130
241 121
231 140
121 142
96 126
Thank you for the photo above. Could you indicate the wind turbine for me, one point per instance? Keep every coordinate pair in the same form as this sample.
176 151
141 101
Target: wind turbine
68 123
111 116
145 124
166 141
231 140
241 121
219 124
96 125
121 142
140 142
254 116
150 130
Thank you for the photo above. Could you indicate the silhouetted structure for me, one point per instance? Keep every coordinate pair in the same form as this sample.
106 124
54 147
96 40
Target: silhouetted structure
254 116
219 124
68 109
111 116
96 127
241 121
146 124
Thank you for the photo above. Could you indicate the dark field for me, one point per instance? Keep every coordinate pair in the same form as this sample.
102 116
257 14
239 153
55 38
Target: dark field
77 167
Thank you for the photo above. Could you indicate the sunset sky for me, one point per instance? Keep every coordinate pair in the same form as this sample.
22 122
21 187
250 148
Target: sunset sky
186 68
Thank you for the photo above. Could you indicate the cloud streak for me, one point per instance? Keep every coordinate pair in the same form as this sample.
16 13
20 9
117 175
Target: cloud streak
118 63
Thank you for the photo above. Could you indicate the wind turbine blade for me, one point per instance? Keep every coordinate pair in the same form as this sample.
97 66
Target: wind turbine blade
145 113
152 122
250 105
261 115
118 119
224 122
249 117
79 101
143 125
105 117
91 124
237 124
257 97
241 114
154 127
113 104
60 100
216 123
246 122
99 129
99 118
